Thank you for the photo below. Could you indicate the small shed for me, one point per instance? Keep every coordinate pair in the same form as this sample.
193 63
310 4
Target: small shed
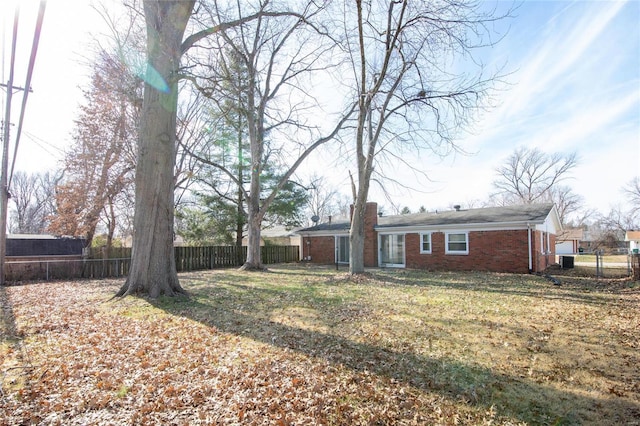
32 245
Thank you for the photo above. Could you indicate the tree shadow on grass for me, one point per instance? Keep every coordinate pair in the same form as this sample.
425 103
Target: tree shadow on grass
8 330
245 310
11 365
500 284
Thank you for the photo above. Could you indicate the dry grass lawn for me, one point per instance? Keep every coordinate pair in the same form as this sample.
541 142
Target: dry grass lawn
307 345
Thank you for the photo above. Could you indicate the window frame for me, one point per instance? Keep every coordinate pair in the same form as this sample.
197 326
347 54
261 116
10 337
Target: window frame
422 236
447 242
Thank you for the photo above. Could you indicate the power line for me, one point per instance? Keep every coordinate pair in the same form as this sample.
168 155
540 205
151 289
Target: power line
4 34
45 145
4 192
4 185
32 61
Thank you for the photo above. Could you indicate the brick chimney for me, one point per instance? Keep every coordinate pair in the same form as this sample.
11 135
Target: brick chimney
370 214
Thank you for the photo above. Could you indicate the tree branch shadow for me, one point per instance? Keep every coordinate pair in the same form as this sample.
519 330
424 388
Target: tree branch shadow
8 329
244 310
10 360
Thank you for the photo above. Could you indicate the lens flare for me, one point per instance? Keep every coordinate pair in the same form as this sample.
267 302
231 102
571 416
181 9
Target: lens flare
153 78
143 70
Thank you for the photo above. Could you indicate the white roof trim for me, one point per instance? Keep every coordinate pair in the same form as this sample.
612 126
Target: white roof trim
503 226
323 233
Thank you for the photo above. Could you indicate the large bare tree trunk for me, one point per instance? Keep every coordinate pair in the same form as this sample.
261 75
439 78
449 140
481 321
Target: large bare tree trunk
254 222
153 268
407 94
356 240
254 258
239 227
240 211
356 232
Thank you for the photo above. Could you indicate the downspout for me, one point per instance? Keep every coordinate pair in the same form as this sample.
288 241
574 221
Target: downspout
546 258
306 243
529 246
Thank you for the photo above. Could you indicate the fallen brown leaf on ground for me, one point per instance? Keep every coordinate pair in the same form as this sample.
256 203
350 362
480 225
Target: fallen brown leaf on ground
296 346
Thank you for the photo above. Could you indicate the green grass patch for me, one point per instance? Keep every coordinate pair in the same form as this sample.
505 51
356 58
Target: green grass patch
591 258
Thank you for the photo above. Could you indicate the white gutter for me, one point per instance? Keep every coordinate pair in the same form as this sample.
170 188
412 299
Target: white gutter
529 247
324 233
497 226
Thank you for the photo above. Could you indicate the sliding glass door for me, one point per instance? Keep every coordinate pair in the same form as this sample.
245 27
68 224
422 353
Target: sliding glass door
392 250
342 249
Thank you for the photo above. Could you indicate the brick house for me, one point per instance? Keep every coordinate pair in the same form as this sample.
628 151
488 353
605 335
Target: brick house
518 239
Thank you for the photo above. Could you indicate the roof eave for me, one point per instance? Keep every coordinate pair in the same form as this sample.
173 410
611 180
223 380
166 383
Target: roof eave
478 226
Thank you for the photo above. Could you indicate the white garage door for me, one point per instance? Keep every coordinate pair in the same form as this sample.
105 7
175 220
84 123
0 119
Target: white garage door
565 247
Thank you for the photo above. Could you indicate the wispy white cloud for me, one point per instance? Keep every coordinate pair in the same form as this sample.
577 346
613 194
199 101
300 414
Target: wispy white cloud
565 51
591 120
546 67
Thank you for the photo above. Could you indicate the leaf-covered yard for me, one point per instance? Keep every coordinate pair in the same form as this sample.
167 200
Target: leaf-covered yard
306 345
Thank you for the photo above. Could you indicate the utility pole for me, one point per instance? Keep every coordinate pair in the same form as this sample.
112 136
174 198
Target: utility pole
4 179
4 191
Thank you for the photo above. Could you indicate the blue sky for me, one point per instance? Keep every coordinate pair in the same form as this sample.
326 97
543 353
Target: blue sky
574 86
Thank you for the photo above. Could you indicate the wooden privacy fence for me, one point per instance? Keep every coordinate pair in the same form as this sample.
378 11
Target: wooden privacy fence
116 263
195 258
58 268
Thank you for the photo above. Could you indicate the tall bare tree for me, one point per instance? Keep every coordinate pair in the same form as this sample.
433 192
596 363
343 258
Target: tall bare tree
33 196
323 198
409 96
632 190
226 145
622 218
153 268
279 55
530 175
566 200
191 123
612 227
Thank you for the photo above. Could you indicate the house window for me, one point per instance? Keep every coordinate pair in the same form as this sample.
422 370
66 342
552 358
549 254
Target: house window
457 243
342 249
425 243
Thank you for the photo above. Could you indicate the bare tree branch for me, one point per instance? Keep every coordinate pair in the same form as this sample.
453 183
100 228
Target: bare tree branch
530 175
